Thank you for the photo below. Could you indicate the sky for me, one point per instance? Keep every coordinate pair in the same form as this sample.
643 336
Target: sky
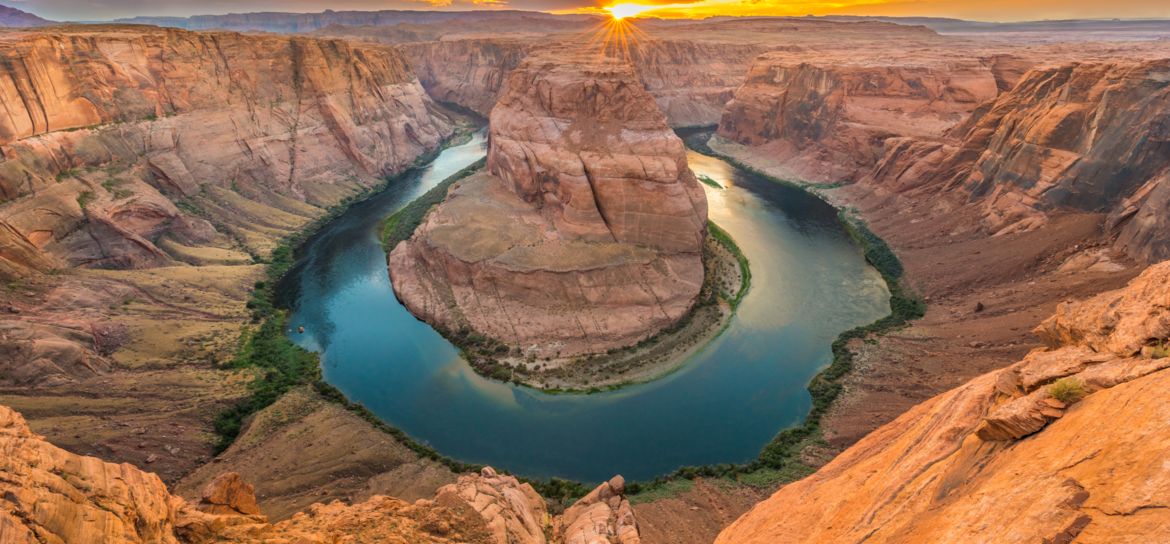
983 10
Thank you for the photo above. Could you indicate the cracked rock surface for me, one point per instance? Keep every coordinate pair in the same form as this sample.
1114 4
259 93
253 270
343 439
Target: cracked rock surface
999 459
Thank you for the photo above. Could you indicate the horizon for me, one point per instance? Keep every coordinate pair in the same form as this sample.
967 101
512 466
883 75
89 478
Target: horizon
1128 10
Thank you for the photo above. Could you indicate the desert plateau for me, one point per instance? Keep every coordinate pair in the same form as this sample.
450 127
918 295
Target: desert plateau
584 272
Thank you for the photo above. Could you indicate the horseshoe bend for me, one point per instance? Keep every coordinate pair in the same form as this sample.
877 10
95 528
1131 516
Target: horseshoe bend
622 273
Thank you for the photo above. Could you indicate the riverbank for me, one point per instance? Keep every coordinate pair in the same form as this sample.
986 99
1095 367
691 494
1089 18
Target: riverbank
727 279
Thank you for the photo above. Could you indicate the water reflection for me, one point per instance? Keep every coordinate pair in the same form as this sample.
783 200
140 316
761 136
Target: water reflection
809 283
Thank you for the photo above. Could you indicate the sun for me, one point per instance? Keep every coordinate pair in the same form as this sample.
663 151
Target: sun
621 11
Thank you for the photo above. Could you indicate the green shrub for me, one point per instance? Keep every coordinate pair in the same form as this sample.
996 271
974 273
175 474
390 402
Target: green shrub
85 198
1160 351
1068 390
708 181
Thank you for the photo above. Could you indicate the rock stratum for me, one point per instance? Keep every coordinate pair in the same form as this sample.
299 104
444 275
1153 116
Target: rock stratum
585 231
122 147
144 174
1021 137
1001 459
51 495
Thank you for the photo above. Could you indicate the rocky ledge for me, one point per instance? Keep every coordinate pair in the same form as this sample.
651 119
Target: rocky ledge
1067 445
50 495
585 233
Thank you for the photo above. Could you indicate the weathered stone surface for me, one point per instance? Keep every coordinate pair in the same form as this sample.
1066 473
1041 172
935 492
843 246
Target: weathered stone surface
1090 472
584 234
50 495
514 512
827 121
1117 322
109 126
603 516
228 493
1091 136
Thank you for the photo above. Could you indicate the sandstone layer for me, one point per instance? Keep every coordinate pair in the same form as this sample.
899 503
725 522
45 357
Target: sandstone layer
1001 458
51 495
143 174
584 233
826 121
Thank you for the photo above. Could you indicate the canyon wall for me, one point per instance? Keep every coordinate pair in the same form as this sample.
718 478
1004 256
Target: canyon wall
690 80
468 73
131 147
1023 454
50 495
1091 137
585 231
826 121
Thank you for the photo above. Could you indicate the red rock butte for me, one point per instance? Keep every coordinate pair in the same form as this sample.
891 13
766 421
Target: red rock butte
585 231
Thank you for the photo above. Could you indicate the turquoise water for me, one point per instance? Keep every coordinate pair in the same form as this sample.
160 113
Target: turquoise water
810 283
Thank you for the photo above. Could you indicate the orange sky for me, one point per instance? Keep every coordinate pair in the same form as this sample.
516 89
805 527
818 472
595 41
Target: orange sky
985 10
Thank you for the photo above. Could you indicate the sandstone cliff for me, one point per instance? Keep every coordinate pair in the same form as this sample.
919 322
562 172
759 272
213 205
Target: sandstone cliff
1002 458
1091 137
584 234
826 121
130 147
50 495
469 73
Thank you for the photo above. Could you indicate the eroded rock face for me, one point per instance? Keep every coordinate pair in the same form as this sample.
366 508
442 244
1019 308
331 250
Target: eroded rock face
826 122
120 142
954 469
604 516
1091 137
469 73
50 495
584 234
515 512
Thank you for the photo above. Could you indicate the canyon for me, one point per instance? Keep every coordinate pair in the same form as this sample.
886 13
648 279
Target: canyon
585 232
149 175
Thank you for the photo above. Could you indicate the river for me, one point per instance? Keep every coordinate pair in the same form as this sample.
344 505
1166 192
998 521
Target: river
809 283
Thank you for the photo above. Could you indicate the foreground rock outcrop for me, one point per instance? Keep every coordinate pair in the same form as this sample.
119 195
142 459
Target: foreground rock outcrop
584 233
50 495
1002 458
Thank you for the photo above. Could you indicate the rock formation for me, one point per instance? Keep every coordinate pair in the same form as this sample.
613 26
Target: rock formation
469 73
826 121
121 143
1091 137
50 495
1001 458
585 231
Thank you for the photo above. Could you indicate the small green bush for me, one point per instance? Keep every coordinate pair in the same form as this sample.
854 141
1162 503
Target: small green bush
85 198
1068 390
1160 351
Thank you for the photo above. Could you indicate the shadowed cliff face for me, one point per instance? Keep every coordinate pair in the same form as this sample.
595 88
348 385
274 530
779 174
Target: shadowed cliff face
826 122
131 147
584 234
1089 137
1001 458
